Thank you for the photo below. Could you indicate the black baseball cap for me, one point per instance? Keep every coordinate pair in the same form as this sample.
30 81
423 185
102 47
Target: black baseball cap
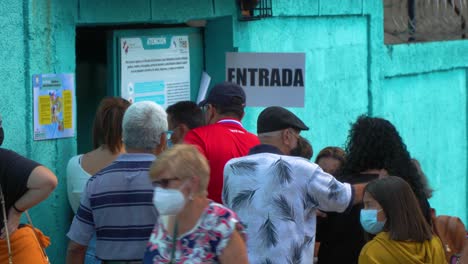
225 94
276 118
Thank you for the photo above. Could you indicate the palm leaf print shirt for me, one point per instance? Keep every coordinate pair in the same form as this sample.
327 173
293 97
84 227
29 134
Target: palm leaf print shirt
276 197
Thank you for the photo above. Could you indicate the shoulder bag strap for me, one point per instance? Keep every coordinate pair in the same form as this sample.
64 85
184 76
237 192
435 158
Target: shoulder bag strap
35 235
5 226
174 243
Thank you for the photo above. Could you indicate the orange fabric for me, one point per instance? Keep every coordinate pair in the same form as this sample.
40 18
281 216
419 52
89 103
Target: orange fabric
25 247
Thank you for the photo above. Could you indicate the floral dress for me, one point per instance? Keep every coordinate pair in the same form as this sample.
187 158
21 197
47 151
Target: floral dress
203 244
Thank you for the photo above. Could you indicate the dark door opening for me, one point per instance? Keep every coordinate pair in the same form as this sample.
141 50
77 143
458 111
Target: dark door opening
91 80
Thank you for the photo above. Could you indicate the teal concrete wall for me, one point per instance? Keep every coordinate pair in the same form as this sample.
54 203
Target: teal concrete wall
424 93
421 88
336 68
12 44
37 37
50 49
430 112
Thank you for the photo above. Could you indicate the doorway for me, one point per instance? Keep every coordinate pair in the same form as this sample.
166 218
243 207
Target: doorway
91 80
98 67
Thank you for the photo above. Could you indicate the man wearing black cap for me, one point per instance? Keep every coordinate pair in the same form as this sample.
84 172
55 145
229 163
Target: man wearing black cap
224 137
277 194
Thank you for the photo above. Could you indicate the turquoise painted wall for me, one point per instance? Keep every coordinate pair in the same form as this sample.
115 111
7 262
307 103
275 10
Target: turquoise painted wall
12 75
430 111
420 87
424 93
37 37
336 69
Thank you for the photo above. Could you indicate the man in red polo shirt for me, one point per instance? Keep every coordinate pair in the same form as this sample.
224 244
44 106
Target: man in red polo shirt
224 137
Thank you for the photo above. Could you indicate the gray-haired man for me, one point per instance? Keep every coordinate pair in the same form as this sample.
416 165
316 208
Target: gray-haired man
117 201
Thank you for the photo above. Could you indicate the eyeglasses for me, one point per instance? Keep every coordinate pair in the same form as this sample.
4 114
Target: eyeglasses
164 183
206 107
169 133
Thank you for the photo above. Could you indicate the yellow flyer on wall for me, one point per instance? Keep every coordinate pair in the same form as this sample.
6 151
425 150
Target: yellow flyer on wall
54 106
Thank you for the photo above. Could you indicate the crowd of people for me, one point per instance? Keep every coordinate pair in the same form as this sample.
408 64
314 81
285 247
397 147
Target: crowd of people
190 184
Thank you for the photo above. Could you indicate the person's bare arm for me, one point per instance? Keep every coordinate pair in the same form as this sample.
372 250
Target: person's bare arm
75 253
235 251
41 183
358 192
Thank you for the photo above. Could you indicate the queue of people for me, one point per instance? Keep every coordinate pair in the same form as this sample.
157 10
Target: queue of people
190 184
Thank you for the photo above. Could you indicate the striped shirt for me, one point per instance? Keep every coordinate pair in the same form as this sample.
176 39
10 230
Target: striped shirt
117 205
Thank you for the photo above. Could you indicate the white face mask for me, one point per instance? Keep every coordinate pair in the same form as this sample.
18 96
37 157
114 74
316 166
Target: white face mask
168 201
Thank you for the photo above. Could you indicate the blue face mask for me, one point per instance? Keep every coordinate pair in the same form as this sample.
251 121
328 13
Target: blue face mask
369 221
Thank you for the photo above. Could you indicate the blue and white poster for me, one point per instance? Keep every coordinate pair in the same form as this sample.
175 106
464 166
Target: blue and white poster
54 106
155 68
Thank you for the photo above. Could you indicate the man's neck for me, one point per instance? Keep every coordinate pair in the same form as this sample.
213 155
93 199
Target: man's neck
274 143
217 117
138 151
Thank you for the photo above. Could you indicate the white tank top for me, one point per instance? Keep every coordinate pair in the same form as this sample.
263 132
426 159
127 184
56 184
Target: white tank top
76 181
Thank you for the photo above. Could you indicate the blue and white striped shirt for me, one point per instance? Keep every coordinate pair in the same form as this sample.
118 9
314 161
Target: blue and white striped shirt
117 204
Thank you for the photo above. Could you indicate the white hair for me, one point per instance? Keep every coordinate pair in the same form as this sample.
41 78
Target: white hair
271 134
142 125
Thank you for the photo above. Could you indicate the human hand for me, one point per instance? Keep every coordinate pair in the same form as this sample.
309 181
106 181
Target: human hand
321 214
12 223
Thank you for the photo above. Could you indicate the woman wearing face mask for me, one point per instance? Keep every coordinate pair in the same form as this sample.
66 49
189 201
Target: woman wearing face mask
374 148
392 213
191 228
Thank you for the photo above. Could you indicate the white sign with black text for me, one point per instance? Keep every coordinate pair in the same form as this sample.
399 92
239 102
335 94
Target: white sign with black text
268 78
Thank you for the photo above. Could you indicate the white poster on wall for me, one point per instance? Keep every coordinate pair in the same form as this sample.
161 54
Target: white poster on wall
268 78
155 68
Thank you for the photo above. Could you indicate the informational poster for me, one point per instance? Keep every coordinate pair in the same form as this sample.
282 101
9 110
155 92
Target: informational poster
268 78
155 68
54 106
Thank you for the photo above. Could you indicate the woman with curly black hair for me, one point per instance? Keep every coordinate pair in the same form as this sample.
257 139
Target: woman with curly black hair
374 148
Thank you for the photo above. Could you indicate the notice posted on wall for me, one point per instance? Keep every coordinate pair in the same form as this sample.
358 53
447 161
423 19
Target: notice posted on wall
54 109
155 68
268 78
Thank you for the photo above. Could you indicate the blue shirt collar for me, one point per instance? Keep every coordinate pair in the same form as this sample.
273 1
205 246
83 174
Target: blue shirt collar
265 148
136 157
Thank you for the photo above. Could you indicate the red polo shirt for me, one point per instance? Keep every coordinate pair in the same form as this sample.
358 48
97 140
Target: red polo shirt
221 142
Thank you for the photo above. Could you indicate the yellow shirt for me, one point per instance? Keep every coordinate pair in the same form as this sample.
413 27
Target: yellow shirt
382 250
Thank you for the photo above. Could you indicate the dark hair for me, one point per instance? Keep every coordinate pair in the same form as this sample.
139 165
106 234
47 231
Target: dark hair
405 220
304 149
374 143
427 188
107 127
335 153
332 152
236 109
186 112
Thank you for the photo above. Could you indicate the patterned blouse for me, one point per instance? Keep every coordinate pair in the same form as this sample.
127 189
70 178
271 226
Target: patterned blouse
203 244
